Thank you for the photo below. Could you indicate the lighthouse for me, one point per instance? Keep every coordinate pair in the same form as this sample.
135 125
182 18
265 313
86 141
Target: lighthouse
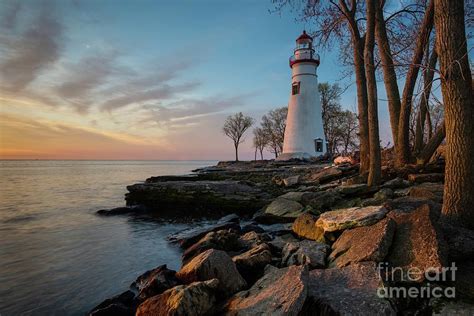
304 134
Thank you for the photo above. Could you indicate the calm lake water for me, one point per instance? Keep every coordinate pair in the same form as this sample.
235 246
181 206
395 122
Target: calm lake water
56 256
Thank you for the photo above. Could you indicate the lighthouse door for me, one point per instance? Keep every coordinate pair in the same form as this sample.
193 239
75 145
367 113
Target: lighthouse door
318 143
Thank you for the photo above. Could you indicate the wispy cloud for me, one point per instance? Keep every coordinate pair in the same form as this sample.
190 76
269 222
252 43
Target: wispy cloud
24 56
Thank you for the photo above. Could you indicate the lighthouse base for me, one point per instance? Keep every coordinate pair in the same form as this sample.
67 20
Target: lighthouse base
297 155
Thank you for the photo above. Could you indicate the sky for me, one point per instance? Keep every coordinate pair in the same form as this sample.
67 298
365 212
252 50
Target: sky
116 79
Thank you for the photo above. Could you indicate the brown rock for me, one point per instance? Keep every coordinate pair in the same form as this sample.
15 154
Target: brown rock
253 239
250 264
428 190
305 226
425 177
326 175
278 292
197 298
213 264
368 243
409 204
227 240
351 290
418 243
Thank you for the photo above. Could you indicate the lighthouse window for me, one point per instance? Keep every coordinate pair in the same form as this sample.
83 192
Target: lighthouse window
295 88
318 142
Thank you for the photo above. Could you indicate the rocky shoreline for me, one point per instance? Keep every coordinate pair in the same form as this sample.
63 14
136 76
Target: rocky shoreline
300 238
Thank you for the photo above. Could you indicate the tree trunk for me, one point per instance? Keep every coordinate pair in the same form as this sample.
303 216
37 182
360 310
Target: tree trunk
389 74
432 145
427 83
374 145
403 142
459 112
236 152
261 154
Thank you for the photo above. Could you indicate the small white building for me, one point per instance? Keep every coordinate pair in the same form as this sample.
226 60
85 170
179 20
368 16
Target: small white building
304 133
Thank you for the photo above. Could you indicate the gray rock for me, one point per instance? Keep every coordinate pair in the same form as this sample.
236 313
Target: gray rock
227 240
291 181
304 252
353 189
154 282
251 263
428 190
350 218
188 237
283 208
397 183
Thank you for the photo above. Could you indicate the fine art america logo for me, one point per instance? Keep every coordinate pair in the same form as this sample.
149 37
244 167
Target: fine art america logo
411 277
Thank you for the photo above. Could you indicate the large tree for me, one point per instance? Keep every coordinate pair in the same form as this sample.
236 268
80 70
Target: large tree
456 87
234 127
273 125
330 108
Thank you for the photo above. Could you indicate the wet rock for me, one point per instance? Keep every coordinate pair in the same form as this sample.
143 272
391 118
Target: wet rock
252 228
154 282
418 243
231 218
121 305
197 298
121 210
251 263
227 240
213 264
351 290
188 237
277 229
279 242
186 199
350 217
305 226
396 183
278 292
304 252
425 177
285 209
367 243
428 190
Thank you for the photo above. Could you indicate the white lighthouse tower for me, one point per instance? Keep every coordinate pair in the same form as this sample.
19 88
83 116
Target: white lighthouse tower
304 134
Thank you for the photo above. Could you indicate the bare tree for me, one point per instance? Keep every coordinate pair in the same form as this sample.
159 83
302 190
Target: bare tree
330 108
347 131
458 99
260 141
235 127
273 125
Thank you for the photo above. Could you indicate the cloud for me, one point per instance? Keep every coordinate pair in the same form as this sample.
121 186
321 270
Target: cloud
26 55
10 16
162 92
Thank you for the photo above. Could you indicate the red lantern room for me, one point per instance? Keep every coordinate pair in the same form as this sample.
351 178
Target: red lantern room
304 51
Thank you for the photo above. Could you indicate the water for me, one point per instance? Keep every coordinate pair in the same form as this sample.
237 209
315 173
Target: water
57 257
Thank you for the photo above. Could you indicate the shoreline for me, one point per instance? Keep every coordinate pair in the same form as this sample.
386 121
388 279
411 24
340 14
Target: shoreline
275 222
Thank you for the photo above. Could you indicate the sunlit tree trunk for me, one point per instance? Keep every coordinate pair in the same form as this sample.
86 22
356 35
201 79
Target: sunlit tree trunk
432 145
458 206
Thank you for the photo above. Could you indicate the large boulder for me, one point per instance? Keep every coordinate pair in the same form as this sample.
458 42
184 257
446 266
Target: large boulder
367 243
324 200
408 204
278 292
325 175
351 290
418 245
253 239
213 264
197 298
353 189
305 227
351 217
251 263
305 252
227 240
154 282
190 198
286 210
188 237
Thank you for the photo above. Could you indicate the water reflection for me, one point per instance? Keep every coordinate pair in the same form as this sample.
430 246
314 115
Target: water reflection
56 256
